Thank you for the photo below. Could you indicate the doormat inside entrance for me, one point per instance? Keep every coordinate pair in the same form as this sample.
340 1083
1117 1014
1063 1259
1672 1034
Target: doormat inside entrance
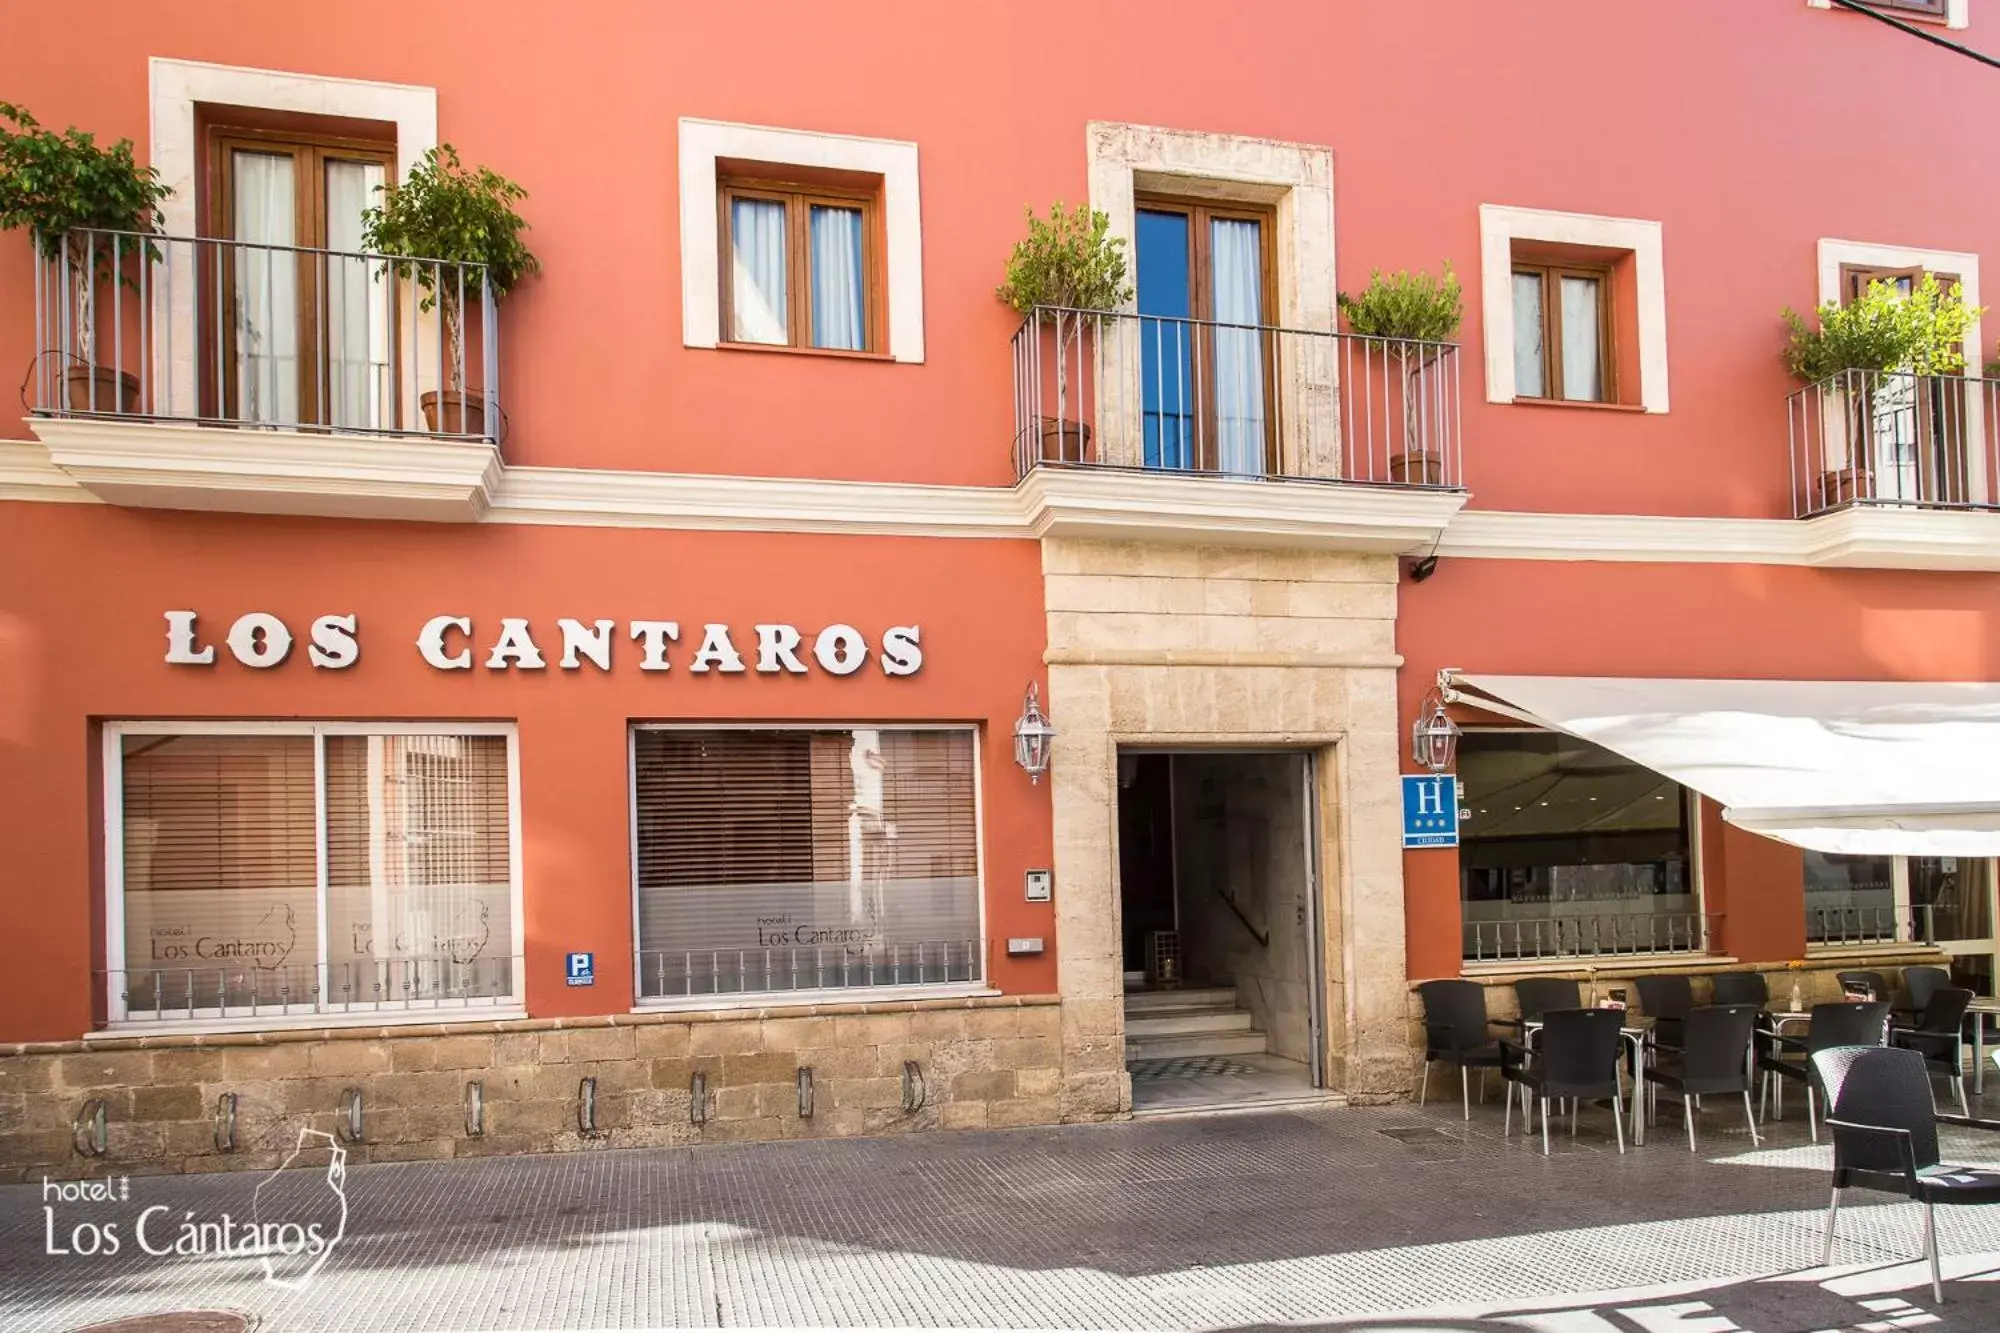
1193 1066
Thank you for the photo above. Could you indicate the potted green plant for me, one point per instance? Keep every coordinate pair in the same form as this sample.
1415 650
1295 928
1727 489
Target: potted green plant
68 191
1883 330
447 213
1408 318
1071 262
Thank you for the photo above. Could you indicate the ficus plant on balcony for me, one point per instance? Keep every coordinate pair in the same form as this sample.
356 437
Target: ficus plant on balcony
444 215
1069 262
69 192
1406 318
1882 331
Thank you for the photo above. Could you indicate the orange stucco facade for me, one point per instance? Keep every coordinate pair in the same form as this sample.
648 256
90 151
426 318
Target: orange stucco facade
1742 136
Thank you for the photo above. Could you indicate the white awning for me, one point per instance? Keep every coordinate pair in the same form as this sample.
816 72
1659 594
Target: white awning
1872 767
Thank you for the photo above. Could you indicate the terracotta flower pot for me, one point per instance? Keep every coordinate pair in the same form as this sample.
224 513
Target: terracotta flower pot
101 389
454 412
1417 469
1846 486
1064 441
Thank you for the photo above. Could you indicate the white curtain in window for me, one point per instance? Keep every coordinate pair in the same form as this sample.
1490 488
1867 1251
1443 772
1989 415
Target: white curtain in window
266 316
1236 256
1528 380
838 299
757 298
357 304
1582 349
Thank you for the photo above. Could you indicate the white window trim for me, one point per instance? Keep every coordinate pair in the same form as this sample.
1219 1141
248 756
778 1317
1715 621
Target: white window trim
1500 226
894 160
177 86
1834 255
114 870
1957 13
1295 180
641 1003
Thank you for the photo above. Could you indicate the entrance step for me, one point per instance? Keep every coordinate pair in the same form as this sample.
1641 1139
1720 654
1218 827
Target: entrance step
1167 1001
1181 1046
1185 1022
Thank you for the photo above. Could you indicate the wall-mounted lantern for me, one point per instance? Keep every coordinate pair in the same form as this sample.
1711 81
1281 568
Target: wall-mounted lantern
1034 737
1434 736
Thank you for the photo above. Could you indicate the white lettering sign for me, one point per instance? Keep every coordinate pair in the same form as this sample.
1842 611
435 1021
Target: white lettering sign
261 641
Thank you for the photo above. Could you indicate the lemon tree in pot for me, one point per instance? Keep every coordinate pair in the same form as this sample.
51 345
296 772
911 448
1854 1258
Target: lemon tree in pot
1071 270
70 192
1882 331
448 214
1407 319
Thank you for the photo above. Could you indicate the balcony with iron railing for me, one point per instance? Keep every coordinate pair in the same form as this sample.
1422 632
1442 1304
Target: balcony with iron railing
1130 424
1876 450
208 373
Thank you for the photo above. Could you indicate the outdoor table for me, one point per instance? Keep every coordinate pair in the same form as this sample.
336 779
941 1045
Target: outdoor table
1978 1011
1638 1034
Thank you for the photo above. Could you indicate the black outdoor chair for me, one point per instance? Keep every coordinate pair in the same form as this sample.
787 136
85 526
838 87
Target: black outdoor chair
1874 983
1665 1000
1538 995
1919 984
1575 1056
1455 1031
1713 1060
1939 1036
1885 1138
1740 988
1843 1023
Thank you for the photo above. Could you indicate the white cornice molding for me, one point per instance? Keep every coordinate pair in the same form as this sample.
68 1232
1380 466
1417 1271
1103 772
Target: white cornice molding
371 476
161 465
1221 511
588 497
1855 538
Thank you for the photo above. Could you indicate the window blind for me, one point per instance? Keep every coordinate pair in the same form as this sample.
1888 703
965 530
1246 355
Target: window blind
417 848
221 871
772 859
220 867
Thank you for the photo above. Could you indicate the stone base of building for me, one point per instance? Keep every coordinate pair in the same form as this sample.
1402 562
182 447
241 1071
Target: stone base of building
979 1063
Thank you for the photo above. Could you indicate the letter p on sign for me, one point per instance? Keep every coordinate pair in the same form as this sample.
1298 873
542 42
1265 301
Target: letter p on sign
579 970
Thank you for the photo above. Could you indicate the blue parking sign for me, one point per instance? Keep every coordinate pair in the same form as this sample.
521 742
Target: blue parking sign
1430 810
579 969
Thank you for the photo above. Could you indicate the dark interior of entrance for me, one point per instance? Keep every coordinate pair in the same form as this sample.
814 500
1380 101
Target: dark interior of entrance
1215 884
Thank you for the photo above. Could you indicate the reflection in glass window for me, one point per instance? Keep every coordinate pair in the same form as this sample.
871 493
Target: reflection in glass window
1849 898
1568 848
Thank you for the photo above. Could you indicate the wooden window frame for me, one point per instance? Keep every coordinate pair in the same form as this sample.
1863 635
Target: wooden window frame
1551 276
1201 308
799 197
309 153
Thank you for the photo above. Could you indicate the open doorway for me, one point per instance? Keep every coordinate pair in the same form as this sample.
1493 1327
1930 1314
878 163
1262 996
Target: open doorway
1220 927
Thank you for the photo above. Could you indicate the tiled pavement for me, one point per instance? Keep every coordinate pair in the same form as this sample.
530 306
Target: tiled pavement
1303 1216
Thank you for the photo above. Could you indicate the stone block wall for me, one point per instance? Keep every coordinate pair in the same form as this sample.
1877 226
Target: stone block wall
985 1062
1192 647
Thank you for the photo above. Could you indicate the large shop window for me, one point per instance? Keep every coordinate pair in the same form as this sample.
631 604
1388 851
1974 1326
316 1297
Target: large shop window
1942 900
1568 850
275 872
805 860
